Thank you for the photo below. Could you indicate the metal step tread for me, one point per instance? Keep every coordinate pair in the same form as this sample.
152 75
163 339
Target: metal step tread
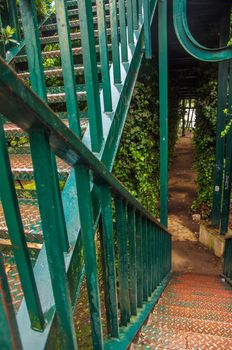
22 168
167 339
56 72
13 275
72 23
180 321
30 215
55 54
14 130
73 36
196 313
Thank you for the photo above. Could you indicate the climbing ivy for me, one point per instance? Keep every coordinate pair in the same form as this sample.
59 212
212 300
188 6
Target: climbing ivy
137 162
205 142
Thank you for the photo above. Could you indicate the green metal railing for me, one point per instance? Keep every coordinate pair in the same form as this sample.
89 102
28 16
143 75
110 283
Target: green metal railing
143 245
227 269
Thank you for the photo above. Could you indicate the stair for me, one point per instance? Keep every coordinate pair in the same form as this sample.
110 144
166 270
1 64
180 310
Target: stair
17 139
194 312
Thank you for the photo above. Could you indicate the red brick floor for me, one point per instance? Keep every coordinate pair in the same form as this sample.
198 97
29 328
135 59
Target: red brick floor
194 312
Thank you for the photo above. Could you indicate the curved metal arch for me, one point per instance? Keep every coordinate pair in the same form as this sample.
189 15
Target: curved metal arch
189 43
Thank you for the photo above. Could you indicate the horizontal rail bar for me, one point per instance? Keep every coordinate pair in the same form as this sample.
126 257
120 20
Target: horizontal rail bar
21 106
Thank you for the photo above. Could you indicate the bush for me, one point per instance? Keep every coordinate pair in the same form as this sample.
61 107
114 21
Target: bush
205 142
137 162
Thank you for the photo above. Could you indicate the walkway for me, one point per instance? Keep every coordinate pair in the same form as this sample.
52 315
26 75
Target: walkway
188 254
194 313
182 191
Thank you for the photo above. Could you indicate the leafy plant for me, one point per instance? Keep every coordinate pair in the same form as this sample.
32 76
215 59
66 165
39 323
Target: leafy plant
7 35
205 143
137 162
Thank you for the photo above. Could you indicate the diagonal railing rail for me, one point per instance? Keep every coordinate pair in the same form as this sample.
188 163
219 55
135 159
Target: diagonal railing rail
143 245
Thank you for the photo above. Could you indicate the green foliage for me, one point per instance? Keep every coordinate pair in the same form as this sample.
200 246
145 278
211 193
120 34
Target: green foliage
229 124
204 138
137 163
7 35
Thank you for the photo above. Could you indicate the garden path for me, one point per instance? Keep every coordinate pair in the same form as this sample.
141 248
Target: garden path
188 254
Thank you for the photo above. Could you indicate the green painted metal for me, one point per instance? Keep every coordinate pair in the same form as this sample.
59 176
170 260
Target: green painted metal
91 77
163 103
227 268
121 223
43 169
104 56
67 65
15 227
128 334
149 241
13 18
139 260
153 246
223 70
109 261
87 234
145 259
132 260
135 14
228 166
9 333
123 31
189 43
115 41
130 18
62 140
147 28
31 37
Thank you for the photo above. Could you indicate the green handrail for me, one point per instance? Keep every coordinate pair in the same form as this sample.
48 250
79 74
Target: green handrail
21 106
189 43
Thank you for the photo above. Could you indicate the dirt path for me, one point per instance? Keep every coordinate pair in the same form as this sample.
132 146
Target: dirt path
182 191
188 254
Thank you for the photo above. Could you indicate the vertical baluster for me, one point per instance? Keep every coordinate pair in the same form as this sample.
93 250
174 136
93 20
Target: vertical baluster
163 95
109 261
9 333
140 7
145 260
43 172
34 56
153 257
159 254
149 255
147 28
123 36
130 21
13 18
91 73
139 260
115 41
135 14
87 235
162 254
132 260
2 44
225 209
121 225
104 55
15 227
67 65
